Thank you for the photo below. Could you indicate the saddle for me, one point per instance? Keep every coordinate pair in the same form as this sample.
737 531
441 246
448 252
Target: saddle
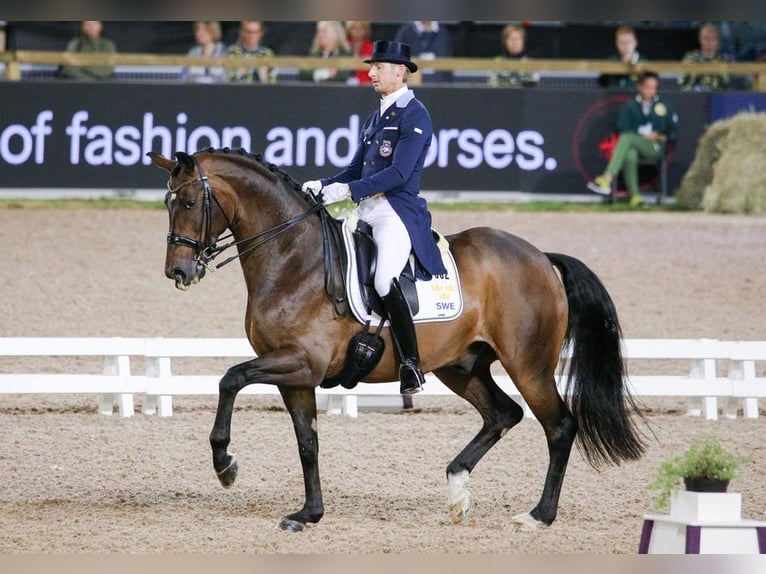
366 260
366 347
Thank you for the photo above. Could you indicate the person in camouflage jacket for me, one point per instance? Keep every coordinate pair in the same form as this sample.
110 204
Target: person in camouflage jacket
708 52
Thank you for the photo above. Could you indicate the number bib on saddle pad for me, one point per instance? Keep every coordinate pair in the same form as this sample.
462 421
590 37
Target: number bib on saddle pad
439 299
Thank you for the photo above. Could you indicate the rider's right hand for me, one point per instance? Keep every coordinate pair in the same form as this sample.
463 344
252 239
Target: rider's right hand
314 186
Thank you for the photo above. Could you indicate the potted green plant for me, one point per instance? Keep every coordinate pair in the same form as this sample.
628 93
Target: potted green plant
706 466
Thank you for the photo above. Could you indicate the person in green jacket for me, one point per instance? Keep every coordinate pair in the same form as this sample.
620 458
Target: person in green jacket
646 124
89 41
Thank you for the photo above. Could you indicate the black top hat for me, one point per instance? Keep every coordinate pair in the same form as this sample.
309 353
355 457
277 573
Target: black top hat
394 52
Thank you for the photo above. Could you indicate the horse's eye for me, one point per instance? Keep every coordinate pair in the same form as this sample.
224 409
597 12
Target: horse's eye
190 204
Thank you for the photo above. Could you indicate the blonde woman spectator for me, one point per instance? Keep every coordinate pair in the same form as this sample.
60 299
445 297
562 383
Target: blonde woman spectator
249 45
514 48
89 41
207 37
707 52
329 42
627 52
358 34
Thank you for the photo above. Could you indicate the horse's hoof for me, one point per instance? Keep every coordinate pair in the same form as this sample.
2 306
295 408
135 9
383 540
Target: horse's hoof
459 510
528 522
229 474
291 525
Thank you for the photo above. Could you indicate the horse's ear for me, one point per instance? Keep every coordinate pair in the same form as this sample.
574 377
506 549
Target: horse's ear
185 160
161 161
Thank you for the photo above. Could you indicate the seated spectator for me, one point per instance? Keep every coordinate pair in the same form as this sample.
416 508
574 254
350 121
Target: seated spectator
249 45
428 41
207 35
627 52
359 41
89 41
707 52
514 48
329 42
645 124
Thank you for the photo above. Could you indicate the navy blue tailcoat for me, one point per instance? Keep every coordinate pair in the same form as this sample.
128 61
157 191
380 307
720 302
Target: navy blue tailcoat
389 159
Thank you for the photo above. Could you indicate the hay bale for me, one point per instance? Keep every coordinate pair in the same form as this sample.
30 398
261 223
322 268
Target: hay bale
700 173
739 178
728 174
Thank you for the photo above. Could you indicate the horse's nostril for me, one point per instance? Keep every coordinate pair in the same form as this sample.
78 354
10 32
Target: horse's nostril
178 274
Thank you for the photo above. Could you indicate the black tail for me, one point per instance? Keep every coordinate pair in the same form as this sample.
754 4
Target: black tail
598 397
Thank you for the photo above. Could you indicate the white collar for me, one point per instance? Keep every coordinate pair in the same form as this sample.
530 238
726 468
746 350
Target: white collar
420 28
386 101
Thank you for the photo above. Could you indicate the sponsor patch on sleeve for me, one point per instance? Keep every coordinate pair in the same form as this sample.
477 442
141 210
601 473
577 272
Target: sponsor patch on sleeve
418 131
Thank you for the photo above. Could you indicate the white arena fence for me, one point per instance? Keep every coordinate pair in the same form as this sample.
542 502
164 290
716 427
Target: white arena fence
701 378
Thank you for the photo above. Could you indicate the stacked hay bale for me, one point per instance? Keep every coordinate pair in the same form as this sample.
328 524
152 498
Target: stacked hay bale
728 174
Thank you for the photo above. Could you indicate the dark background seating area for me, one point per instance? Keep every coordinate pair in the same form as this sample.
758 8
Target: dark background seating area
560 40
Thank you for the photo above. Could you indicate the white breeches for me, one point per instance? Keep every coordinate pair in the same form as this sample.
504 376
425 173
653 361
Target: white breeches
391 238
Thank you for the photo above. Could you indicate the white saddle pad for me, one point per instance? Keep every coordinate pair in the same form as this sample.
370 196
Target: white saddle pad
440 299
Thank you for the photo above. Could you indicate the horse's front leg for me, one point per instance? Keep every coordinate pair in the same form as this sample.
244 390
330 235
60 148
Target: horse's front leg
225 463
301 404
275 369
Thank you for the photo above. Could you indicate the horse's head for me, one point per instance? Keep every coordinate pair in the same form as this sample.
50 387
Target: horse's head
197 218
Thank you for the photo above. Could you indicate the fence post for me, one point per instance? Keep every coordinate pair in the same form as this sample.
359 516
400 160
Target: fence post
742 370
118 366
696 406
158 367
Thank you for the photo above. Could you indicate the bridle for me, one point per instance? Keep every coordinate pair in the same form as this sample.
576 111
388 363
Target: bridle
206 249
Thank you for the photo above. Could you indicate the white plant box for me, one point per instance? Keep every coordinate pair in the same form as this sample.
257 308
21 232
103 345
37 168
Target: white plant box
695 507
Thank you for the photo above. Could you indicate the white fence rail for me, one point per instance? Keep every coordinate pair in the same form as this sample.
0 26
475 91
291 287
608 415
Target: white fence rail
700 380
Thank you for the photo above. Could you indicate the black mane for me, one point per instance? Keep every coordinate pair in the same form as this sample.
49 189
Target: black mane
258 158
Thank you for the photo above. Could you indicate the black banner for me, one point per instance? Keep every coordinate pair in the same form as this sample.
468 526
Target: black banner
96 135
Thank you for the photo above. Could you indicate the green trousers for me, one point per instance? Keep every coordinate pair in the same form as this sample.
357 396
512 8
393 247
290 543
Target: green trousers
630 148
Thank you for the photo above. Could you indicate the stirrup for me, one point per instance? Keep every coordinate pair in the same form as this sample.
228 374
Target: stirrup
411 378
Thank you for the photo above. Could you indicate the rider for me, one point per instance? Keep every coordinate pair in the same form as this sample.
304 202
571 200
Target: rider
383 179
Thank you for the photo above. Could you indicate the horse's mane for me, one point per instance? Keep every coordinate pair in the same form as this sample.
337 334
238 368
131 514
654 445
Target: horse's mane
257 161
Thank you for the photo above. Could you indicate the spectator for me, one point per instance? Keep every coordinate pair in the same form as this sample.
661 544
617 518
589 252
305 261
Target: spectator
249 45
329 42
89 41
707 52
207 35
626 43
514 48
428 41
358 36
646 124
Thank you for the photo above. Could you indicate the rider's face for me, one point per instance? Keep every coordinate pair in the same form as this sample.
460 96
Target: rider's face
386 77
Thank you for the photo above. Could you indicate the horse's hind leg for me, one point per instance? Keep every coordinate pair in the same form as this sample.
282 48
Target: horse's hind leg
560 429
499 414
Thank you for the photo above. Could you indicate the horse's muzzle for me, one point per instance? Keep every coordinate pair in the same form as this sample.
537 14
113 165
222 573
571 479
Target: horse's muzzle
184 279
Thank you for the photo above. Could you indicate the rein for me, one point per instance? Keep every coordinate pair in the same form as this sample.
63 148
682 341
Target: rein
206 250
265 236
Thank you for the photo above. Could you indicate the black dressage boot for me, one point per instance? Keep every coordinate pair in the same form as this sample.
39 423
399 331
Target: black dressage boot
403 334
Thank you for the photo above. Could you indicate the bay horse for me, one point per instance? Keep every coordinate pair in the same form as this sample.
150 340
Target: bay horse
517 310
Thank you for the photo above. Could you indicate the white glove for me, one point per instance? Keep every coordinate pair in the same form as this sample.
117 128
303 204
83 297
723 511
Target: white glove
336 192
314 186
